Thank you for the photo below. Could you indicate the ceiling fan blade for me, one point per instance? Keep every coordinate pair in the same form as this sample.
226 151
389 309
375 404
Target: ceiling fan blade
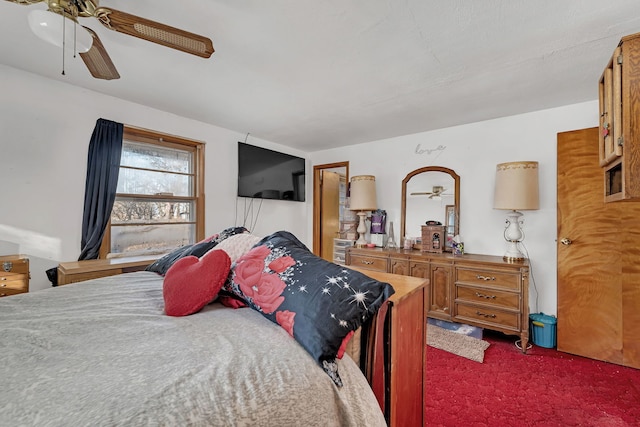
98 61
155 32
422 193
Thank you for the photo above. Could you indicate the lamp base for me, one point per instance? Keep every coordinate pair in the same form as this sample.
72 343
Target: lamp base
513 235
362 230
509 259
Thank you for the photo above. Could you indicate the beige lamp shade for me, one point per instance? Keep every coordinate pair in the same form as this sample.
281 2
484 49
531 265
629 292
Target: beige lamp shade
516 186
363 193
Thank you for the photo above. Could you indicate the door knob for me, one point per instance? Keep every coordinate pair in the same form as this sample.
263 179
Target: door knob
566 241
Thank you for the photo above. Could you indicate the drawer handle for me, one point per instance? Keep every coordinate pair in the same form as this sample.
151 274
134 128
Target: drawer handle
486 278
366 262
3 285
493 316
3 278
479 295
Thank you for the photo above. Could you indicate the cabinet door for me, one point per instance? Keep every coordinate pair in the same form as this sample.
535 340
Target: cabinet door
440 291
439 295
610 95
399 266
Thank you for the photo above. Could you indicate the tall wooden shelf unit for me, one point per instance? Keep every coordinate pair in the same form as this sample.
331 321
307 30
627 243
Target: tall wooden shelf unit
619 139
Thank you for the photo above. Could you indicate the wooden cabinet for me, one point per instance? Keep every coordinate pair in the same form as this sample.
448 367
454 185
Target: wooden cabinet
400 335
479 290
14 275
78 271
619 138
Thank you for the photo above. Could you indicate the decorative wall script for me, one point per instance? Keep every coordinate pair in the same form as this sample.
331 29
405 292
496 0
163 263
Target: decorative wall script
429 151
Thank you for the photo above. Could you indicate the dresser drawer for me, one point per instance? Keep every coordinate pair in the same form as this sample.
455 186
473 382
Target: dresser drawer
5 292
13 267
487 296
490 317
17 282
491 278
370 263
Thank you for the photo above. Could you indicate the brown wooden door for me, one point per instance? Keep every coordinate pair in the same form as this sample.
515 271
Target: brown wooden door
330 211
598 257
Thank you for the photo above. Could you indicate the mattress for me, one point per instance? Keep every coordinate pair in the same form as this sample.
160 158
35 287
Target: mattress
103 353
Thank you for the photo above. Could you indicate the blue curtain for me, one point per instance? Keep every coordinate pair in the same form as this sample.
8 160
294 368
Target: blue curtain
103 165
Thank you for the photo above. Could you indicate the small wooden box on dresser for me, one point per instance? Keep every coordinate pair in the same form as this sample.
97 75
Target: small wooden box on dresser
14 275
480 290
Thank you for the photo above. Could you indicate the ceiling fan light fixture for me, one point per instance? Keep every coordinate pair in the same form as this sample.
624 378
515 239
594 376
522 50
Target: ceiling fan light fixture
48 26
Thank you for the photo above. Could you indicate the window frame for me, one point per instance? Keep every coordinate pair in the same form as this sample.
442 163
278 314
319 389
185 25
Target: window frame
147 136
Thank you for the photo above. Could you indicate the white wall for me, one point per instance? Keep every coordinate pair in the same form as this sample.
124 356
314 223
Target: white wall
45 127
473 151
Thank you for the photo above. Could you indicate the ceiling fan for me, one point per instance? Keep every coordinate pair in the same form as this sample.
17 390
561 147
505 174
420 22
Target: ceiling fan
96 57
436 192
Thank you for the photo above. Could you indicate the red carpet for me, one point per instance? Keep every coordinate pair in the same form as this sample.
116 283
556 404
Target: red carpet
542 388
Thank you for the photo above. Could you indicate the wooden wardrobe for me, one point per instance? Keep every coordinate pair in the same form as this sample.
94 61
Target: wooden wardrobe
598 259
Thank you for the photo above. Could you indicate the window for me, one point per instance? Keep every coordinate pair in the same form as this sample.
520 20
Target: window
159 203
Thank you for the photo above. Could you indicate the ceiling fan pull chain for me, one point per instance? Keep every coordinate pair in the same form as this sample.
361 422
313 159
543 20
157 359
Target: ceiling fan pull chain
74 12
75 38
63 42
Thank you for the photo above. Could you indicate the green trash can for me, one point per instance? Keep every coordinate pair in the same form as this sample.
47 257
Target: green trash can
543 330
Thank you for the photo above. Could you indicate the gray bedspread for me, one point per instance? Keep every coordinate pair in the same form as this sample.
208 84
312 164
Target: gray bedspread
103 353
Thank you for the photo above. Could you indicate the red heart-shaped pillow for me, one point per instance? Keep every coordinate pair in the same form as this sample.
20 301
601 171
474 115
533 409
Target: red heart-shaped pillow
192 283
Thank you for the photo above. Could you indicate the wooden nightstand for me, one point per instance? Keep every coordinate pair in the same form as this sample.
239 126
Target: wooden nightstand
400 336
14 275
78 271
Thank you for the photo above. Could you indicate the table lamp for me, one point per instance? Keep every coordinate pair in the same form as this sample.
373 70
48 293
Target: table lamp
362 199
516 190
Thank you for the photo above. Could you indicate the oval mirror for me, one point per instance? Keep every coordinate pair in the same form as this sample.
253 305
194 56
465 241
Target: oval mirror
430 193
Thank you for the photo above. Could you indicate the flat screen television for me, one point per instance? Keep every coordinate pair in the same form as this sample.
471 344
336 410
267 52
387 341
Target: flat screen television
269 174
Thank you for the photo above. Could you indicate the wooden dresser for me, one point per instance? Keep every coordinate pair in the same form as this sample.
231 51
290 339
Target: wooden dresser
14 275
396 370
480 290
78 271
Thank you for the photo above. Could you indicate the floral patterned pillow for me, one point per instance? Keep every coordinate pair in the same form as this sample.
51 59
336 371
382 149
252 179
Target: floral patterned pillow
317 302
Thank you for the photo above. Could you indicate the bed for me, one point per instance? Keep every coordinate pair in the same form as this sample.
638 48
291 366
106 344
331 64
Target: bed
104 352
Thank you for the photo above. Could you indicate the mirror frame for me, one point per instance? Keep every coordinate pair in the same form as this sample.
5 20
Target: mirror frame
456 179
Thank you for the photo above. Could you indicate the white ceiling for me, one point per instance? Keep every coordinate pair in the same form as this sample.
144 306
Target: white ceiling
316 74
